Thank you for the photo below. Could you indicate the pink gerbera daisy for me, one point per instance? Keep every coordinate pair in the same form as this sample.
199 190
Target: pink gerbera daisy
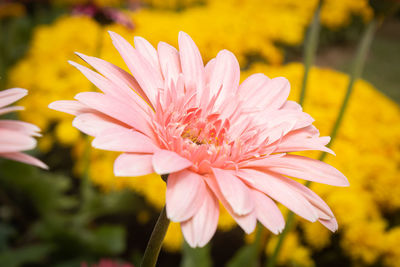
16 136
218 140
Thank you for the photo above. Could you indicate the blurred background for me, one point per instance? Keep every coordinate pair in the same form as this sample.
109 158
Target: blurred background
78 212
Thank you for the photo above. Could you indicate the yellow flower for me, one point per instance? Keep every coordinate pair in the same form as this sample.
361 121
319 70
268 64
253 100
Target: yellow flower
66 134
316 235
392 245
292 252
364 241
174 238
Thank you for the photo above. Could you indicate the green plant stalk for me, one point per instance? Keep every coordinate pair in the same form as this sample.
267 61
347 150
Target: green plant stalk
310 49
257 241
271 262
3 56
154 245
355 73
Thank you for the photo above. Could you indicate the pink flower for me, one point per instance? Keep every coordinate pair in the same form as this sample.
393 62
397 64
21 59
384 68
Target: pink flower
103 15
217 140
16 136
107 263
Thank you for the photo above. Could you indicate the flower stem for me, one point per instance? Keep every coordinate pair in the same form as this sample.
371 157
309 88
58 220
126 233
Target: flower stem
310 49
355 73
357 68
155 242
257 242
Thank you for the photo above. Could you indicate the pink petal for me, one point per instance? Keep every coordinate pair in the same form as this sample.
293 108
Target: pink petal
322 209
147 51
98 80
133 165
95 123
234 191
261 162
330 224
113 90
225 76
110 89
201 227
116 109
20 126
308 169
279 89
185 195
292 143
253 86
21 157
278 123
166 162
149 79
191 63
246 222
11 95
272 185
10 109
123 80
296 118
169 61
209 69
14 141
267 212
254 90
70 106
292 106
125 140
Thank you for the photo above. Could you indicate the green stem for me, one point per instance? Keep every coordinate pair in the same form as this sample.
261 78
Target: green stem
355 73
310 49
154 245
3 55
289 221
86 187
257 242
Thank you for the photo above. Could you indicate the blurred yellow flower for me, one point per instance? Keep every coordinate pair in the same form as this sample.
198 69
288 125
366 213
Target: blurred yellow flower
364 242
66 134
292 252
392 245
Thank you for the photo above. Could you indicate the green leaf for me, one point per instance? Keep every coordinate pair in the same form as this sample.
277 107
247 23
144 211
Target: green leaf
109 240
6 231
196 257
45 191
244 257
115 202
27 254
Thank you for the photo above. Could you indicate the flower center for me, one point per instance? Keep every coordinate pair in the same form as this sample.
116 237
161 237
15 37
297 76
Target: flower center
202 130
